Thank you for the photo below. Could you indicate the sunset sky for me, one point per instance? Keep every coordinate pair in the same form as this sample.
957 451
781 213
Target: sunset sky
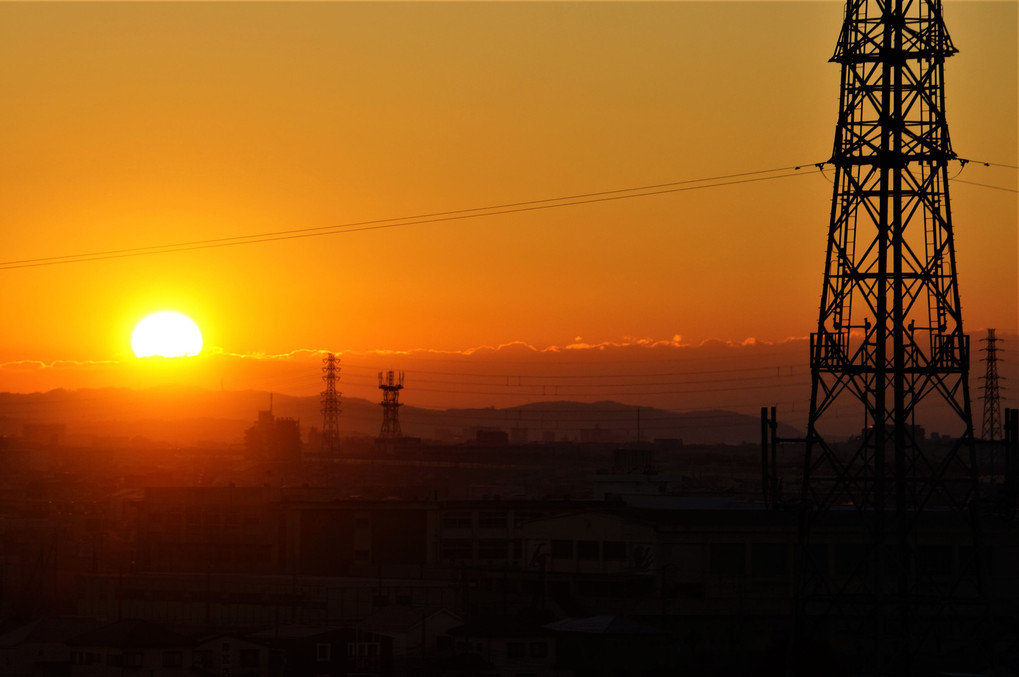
128 125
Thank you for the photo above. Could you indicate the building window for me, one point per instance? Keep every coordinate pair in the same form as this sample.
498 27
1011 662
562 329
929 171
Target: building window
614 550
457 520
492 520
515 650
492 548
562 549
521 517
173 659
588 550
132 659
686 591
456 549
539 649
727 559
114 660
770 560
323 652
249 658
601 589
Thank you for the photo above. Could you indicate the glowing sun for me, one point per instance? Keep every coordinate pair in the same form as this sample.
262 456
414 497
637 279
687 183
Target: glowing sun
167 334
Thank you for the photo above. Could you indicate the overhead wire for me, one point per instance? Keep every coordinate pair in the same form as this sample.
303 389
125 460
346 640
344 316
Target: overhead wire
535 384
965 161
420 219
986 185
698 372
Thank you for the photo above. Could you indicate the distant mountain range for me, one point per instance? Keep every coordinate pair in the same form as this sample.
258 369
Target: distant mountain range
190 416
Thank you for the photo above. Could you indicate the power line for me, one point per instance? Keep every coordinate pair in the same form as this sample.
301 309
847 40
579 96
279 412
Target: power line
699 372
421 219
965 161
986 185
771 378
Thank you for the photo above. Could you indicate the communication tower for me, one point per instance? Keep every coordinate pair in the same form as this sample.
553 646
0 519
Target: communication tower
992 429
890 345
390 383
330 405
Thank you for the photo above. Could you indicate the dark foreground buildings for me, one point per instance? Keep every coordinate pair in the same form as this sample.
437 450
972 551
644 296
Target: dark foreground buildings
509 561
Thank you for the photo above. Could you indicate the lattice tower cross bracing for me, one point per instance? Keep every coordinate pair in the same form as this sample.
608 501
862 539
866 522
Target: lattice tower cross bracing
330 404
390 383
889 344
992 428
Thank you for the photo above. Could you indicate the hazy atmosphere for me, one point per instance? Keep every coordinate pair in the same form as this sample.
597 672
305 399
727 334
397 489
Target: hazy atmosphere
509 339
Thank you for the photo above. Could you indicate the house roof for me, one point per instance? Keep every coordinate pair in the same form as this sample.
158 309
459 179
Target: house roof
295 632
295 635
129 634
46 630
401 618
499 627
603 625
464 662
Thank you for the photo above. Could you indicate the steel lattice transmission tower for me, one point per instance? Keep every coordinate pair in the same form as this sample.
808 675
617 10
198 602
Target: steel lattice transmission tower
330 405
390 383
991 429
890 346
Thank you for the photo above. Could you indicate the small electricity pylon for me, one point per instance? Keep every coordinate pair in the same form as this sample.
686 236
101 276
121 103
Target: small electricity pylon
390 383
890 344
330 405
992 429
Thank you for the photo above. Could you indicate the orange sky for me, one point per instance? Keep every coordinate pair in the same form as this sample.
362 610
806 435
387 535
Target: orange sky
134 124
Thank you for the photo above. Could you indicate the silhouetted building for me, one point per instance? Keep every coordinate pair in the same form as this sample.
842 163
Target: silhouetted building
44 434
273 438
597 435
491 437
